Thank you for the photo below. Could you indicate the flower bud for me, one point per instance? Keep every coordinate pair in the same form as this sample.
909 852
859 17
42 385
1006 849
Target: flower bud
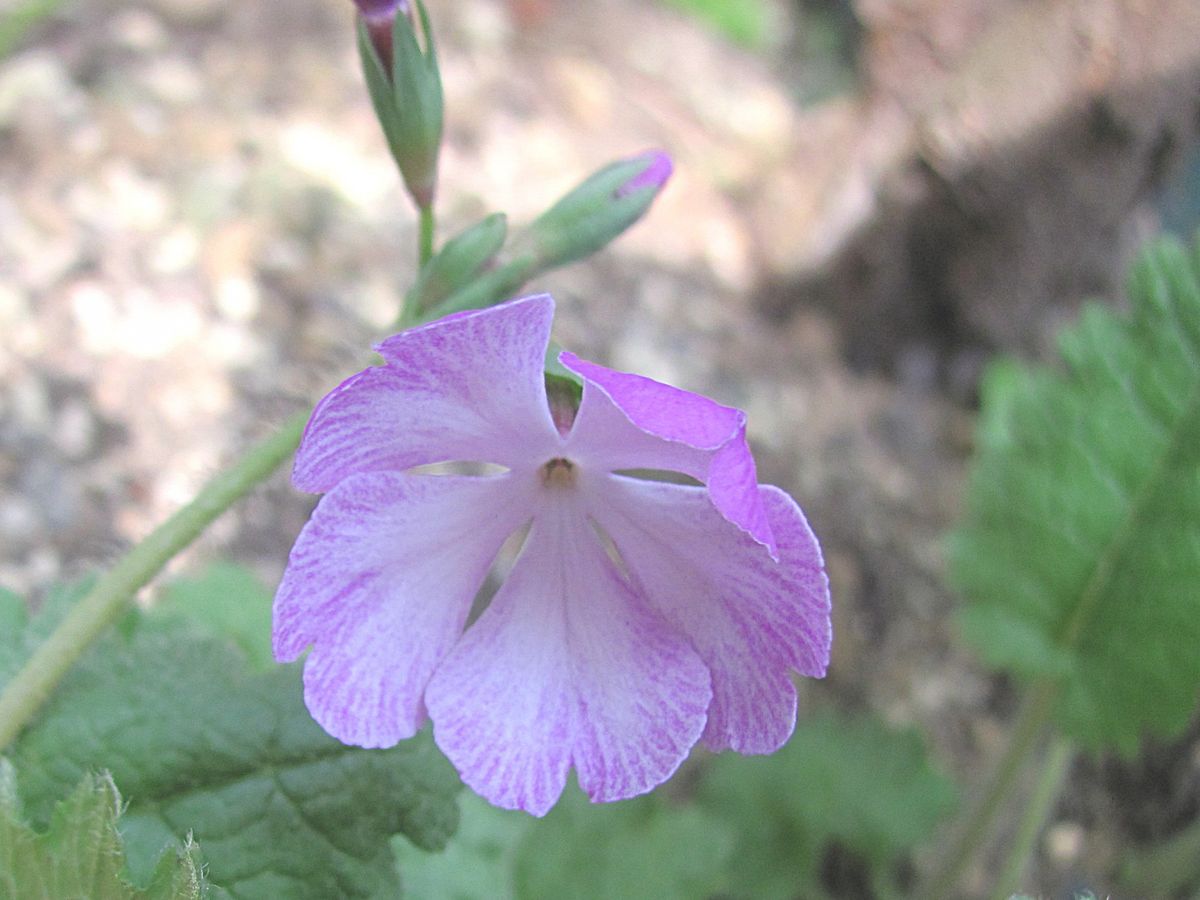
379 17
406 89
460 261
655 174
598 210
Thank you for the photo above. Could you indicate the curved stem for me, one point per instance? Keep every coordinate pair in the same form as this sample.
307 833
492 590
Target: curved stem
109 598
1031 722
1054 770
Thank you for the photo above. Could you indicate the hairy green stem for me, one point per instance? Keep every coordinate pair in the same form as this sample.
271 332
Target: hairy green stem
1031 722
1049 784
110 597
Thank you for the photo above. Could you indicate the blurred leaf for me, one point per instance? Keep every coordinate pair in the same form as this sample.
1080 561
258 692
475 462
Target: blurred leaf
230 600
746 22
80 855
20 18
1168 868
635 848
854 782
478 863
12 622
200 744
1080 549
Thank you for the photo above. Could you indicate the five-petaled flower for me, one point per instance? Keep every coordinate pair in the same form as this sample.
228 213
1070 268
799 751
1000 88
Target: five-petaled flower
639 617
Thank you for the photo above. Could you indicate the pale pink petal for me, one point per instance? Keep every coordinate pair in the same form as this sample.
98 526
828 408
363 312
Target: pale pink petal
752 619
631 422
380 582
468 388
567 667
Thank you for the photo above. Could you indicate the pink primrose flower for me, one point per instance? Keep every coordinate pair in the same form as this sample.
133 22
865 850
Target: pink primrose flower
639 617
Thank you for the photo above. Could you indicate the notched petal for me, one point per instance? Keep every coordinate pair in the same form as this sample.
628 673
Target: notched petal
567 667
753 620
631 422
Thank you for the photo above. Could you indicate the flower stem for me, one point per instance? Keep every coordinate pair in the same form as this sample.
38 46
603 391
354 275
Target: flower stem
425 239
1054 770
109 598
1031 722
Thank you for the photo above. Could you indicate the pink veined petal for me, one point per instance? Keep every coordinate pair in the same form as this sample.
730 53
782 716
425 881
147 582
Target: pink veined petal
380 582
468 387
631 422
567 667
752 619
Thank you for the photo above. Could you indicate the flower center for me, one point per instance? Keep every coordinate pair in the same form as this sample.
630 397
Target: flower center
558 473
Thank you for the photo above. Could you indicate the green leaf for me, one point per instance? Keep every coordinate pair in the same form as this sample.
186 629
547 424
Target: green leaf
20 634
1080 549
479 862
850 781
13 620
201 745
81 855
20 18
635 848
230 600
745 22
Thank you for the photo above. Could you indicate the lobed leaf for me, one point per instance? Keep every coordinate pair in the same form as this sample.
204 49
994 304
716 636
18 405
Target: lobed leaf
81 854
479 862
200 744
853 783
633 848
231 600
20 635
1080 549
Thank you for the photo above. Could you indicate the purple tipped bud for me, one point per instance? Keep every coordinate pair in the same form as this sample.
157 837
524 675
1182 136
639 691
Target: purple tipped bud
401 69
595 212
378 16
658 170
375 10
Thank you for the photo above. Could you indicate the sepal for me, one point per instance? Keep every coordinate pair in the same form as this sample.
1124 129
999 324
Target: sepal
407 96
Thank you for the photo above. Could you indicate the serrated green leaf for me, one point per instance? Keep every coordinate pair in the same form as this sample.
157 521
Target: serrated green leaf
202 746
635 848
852 781
1080 550
230 600
478 863
81 855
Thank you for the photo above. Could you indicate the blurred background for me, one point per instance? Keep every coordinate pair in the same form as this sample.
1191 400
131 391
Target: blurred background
201 231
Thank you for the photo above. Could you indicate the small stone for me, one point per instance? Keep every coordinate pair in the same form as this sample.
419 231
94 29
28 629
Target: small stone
30 404
75 430
1064 842
44 565
138 29
37 84
18 519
